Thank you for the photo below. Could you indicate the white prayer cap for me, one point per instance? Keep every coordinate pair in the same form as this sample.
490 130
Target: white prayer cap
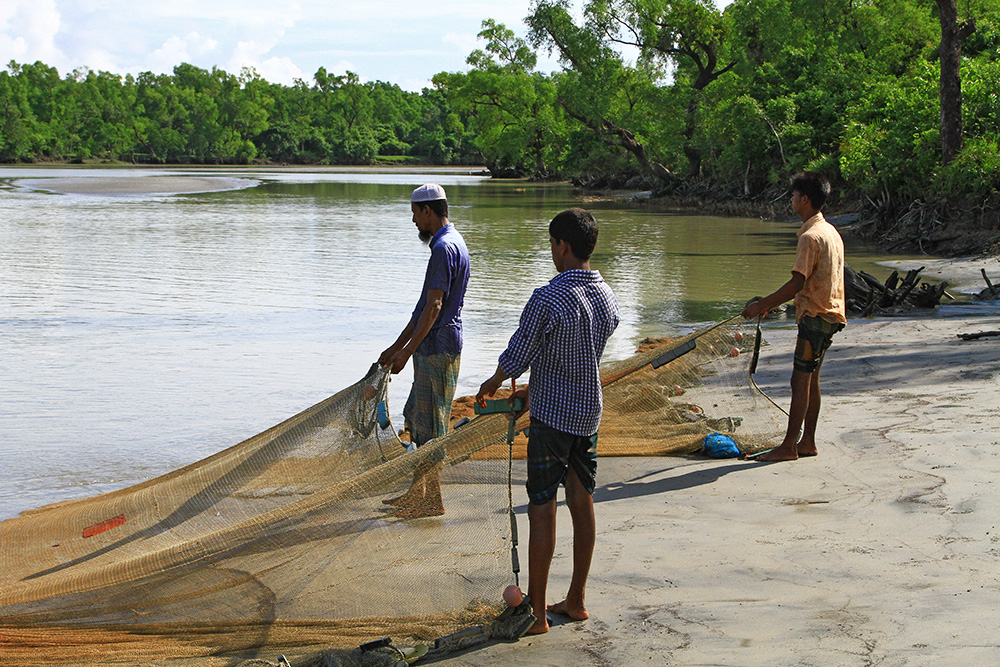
428 192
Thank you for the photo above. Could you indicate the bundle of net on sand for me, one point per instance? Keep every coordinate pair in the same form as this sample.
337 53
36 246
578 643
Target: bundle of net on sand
670 409
282 544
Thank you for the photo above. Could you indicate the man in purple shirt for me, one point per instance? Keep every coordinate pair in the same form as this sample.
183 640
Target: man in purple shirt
433 337
561 337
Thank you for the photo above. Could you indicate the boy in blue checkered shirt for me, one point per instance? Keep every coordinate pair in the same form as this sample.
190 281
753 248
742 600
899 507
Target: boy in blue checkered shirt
561 337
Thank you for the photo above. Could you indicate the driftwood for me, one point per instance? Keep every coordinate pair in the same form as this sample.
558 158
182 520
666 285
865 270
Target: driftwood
981 334
866 295
991 293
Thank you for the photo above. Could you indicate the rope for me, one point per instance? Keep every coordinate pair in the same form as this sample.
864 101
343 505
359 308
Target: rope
685 347
753 367
514 562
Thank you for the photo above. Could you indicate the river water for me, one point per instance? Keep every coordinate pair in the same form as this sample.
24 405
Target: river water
142 328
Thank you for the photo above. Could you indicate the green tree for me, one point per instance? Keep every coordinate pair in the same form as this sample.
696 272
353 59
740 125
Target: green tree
162 118
814 73
15 120
511 111
43 90
103 122
618 103
686 35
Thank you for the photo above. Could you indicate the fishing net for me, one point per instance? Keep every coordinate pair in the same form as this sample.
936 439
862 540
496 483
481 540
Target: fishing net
282 544
702 384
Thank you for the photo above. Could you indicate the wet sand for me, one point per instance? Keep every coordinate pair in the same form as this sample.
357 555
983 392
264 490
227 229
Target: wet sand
883 550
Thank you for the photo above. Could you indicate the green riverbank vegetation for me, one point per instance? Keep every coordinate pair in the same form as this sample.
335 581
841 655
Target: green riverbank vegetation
898 101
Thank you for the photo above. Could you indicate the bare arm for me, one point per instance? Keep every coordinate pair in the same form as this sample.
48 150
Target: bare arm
784 293
490 387
409 340
386 355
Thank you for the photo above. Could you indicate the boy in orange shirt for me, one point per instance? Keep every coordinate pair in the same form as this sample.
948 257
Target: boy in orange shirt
817 286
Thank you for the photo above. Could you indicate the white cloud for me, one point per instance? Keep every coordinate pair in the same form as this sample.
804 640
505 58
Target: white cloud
12 48
281 70
232 12
275 69
97 59
343 67
7 10
175 50
267 32
415 85
29 29
389 40
200 45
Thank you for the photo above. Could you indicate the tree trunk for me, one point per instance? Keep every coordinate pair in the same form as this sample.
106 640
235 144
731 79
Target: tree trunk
613 135
952 34
692 152
706 61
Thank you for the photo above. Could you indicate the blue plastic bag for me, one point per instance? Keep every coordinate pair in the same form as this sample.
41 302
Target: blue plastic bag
720 446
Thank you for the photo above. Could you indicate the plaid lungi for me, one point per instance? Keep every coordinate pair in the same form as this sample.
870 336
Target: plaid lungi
428 409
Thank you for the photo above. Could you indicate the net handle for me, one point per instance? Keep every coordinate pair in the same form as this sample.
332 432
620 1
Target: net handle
515 564
677 351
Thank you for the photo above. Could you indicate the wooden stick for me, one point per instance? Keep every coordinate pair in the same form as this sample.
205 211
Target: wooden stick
981 334
993 290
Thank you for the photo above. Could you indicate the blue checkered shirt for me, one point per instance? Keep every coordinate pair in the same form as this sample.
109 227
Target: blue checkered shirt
561 337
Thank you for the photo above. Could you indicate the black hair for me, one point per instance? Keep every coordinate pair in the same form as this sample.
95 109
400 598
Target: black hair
439 206
578 228
812 185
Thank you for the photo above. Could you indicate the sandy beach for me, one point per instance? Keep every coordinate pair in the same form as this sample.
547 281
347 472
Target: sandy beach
883 550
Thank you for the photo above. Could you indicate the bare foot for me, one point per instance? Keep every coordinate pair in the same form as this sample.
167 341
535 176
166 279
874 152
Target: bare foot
540 627
577 613
418 511
779 453
806 450
405 500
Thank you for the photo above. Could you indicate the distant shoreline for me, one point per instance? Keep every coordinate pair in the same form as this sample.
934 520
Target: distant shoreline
183 180
470 170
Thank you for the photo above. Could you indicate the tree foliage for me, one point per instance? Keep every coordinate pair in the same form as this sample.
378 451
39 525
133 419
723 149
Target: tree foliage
743 97
668 92
514 124
213 117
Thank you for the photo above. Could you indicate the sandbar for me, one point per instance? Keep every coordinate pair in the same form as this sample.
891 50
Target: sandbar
136 185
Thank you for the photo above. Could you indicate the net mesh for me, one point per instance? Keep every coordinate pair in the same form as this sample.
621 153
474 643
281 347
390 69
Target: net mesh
282 544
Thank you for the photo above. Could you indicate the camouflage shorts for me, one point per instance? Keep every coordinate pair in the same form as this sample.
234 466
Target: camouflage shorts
818 334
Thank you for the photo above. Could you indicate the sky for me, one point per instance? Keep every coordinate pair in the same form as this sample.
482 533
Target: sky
397 41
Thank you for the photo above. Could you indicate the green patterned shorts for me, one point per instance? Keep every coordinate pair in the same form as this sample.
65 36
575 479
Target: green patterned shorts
428 409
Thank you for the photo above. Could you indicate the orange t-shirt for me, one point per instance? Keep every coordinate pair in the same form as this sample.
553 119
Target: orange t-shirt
820 258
